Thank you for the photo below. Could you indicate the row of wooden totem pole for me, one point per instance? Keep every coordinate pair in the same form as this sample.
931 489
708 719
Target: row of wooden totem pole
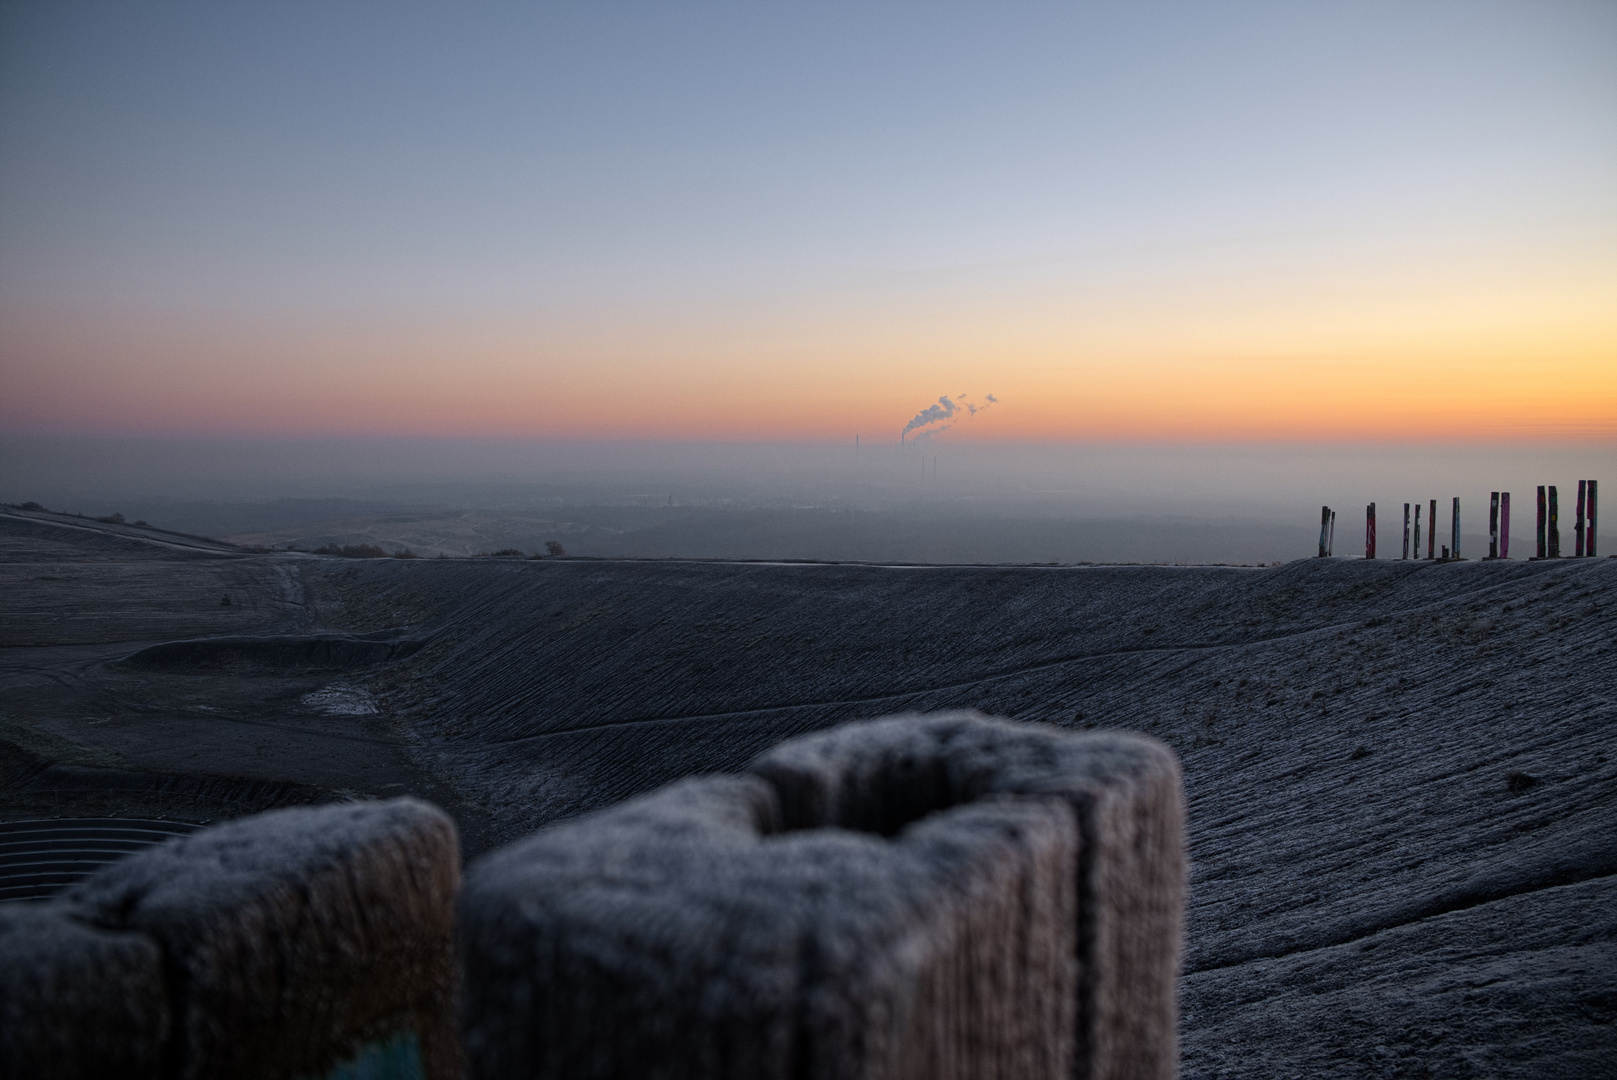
1549 530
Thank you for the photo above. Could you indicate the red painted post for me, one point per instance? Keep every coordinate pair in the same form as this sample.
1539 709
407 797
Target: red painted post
1370 531
1504 524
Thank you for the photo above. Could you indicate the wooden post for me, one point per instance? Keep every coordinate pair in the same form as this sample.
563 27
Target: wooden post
1417 530
1504 524
1406 532
1493 525
1370 531
1577 520
1456 526
1591 546
1543 551
1431 529
1330 543
1324 524
1555 524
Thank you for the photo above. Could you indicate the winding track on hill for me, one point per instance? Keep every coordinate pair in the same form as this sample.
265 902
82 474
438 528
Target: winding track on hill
1373 894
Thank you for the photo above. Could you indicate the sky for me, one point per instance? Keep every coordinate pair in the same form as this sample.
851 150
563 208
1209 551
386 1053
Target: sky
1151 222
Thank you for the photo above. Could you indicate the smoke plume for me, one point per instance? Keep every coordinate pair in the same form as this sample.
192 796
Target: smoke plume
945 410
932 414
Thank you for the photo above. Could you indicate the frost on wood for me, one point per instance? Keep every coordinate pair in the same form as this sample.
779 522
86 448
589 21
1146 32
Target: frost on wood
1126 792
887 900
297 936
77 1002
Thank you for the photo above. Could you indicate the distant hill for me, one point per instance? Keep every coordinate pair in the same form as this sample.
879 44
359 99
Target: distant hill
1401 775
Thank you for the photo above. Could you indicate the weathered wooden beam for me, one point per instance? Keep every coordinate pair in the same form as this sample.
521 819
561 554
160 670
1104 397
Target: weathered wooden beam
1456 527
1431 525
1324 526
1504 524
1543 519
1593 489
1493 525
1417 530
1577 520
946 897
1555 524
1370 531
1406 532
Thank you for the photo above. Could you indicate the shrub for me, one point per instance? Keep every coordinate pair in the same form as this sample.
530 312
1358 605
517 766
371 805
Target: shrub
1517 781
405 553
112 519
30 506
352 551
504 553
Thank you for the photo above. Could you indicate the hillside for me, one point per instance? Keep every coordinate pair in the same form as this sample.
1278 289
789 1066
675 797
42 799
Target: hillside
1400 776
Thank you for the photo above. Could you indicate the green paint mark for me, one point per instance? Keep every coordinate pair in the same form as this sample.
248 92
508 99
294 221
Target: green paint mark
397 1057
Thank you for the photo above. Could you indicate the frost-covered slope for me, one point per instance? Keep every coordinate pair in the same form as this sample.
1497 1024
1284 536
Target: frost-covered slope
1402 793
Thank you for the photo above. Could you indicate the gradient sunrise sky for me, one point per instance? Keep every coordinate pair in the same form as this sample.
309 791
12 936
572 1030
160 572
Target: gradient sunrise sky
1190 221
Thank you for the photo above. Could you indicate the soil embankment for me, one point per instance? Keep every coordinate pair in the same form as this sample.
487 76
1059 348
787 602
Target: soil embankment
1400 779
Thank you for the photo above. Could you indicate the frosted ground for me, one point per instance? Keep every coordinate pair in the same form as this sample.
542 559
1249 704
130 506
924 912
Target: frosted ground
1401 792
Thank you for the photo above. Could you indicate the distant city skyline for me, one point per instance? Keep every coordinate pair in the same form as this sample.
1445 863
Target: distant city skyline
1157 222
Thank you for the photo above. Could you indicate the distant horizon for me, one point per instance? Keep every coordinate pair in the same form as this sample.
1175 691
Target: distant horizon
1135 221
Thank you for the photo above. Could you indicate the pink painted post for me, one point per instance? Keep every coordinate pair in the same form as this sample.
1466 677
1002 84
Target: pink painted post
1504 524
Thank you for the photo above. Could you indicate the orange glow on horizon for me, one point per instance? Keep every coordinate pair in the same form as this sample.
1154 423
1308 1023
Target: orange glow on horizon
1478 359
